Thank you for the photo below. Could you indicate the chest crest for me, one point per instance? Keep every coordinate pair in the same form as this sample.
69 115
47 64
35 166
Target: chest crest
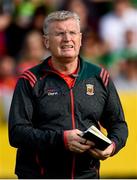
90 89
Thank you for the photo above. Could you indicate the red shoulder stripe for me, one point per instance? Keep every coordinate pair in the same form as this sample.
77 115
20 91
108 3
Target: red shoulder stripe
25 77
29 76
104 76
101 74
106 82
32 75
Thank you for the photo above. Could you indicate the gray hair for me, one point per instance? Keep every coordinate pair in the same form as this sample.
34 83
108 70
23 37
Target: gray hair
59 16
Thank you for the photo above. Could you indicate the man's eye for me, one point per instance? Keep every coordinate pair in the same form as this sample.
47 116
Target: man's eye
59 34
72 33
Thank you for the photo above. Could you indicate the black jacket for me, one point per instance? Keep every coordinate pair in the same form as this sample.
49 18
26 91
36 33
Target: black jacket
43 107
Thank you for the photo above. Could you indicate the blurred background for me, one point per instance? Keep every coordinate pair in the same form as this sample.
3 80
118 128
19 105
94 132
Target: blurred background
109 30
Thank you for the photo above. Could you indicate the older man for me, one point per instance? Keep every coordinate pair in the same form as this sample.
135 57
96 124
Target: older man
56 101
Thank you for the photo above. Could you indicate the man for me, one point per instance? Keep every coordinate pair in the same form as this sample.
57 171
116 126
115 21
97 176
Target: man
56 101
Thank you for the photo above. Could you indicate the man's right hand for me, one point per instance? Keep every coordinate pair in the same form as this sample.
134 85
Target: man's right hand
75 142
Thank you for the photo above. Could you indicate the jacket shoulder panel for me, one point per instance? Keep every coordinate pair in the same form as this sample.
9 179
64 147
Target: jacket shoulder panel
28 75
92 70
33 74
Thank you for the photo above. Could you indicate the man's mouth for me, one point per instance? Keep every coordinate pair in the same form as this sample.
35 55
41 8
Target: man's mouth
66 46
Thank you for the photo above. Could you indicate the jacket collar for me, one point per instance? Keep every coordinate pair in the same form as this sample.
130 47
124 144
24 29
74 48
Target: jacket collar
47 68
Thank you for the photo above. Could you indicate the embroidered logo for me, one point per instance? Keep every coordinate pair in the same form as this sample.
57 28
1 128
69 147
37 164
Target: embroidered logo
90 89
52 92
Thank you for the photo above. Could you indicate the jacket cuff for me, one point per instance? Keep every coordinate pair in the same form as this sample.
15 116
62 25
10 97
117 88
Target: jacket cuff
65 139
114 148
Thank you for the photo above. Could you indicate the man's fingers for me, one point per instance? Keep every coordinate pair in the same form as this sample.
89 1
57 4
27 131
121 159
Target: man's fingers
75 141
78 147
86 142
96 154
92 144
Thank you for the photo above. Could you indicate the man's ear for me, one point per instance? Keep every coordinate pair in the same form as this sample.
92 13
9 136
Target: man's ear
46 41
80 39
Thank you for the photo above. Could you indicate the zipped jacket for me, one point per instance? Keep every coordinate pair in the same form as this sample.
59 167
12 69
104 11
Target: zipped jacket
44 107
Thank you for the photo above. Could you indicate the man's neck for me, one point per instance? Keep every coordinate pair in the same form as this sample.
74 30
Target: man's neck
63 67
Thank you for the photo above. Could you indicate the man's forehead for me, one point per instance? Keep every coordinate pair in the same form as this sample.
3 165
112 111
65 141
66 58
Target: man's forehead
63 23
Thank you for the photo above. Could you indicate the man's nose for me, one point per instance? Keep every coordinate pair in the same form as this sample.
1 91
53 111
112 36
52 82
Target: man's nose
67 36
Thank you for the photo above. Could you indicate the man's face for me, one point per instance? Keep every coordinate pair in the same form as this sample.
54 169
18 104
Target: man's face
64 39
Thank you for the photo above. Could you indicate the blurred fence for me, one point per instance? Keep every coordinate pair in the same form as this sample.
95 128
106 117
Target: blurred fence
122 165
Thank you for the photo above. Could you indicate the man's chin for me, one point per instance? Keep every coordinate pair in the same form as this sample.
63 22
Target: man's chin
66 57
71 56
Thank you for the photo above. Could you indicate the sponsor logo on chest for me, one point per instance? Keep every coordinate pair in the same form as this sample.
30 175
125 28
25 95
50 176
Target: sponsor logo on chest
52 92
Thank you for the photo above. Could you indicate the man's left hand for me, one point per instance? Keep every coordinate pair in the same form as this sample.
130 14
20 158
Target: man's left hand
102 155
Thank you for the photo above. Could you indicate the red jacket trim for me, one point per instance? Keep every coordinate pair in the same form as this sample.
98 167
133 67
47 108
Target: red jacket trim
30 77
104 76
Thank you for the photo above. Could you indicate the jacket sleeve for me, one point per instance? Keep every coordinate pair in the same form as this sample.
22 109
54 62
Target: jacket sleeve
113 119
22 132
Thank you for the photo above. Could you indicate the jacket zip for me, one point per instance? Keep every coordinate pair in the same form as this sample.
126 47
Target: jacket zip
73 119
73 127
72 109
